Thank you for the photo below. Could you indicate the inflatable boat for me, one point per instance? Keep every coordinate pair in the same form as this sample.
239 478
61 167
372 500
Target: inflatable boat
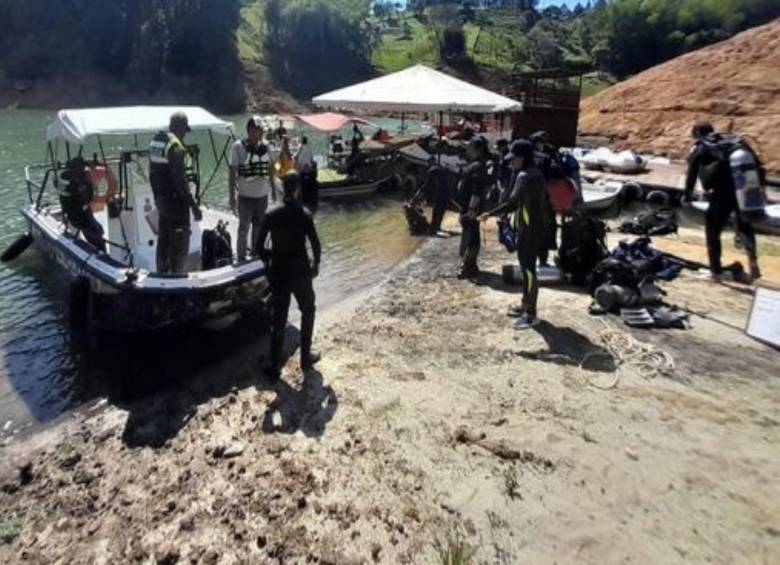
119 289
768 225
625 162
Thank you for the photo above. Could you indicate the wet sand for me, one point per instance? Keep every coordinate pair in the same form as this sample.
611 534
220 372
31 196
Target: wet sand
431 423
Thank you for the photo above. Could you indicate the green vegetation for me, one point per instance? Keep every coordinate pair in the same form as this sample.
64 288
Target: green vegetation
10 529
199 48
150 46
452 549
408 43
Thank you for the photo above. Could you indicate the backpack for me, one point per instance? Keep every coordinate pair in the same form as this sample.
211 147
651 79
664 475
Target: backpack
719 149
216 247
418 224
652 222
583 246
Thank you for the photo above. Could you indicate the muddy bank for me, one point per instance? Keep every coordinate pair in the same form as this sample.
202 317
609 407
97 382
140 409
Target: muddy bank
430 424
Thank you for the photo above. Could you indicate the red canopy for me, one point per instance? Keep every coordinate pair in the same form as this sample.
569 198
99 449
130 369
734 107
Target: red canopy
328 121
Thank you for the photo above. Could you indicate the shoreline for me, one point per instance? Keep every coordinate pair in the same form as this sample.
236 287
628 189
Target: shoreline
429 420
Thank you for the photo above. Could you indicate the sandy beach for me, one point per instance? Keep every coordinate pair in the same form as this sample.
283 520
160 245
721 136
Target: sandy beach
432 426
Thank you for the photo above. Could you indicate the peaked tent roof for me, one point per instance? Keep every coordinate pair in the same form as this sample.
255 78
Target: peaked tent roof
328 121
417 89
76 126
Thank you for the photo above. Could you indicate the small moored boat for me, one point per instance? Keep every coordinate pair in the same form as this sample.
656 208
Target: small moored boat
120 289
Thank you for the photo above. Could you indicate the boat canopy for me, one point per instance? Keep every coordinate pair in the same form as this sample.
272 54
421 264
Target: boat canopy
75 126
417 89
329 121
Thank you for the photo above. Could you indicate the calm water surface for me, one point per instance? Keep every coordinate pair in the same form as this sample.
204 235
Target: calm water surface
45 370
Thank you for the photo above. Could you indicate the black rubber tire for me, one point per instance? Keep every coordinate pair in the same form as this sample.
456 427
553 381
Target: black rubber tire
79 304
658 197
632 191
18 247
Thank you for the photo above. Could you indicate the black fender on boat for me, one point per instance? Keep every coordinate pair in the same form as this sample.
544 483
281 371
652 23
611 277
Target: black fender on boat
17 248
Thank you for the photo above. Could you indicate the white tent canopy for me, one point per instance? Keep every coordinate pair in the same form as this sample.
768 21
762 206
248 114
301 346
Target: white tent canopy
417 89
75 126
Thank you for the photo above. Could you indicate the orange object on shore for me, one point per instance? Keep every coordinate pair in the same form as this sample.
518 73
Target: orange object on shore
563 194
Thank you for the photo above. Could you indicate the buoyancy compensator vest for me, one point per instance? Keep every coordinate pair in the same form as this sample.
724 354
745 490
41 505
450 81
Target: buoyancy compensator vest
255 166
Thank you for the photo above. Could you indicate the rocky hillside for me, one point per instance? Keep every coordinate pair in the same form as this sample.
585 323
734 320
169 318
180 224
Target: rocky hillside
734 84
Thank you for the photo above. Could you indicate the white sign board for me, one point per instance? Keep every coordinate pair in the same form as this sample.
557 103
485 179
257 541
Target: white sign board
764 322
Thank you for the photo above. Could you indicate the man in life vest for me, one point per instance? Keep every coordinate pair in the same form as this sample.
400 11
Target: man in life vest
169 169
250 184
708 161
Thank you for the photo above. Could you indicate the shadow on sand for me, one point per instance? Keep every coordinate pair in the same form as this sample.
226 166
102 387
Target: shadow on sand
569 348
168 389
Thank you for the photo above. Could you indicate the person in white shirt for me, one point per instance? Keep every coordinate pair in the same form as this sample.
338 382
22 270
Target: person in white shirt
250 184
307 168
304 160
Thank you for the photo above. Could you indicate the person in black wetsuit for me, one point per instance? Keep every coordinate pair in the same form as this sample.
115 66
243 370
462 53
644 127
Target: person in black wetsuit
76 198
471 194
290 271
527 201
548 162
706 164
437 189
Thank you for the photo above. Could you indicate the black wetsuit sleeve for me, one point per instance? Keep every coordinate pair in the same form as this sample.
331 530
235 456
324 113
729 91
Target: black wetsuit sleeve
314 240
178 173
694 165
514 199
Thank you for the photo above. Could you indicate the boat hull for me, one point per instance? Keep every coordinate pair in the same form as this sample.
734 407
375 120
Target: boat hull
128 300
349 189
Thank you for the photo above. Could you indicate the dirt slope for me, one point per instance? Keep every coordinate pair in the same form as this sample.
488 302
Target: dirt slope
734 84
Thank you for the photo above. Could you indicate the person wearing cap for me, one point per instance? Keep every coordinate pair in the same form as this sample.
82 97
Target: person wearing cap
250 184
527 201
169 166
471 194
548 162
290 271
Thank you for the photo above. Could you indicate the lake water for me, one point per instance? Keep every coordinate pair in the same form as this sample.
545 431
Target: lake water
45 370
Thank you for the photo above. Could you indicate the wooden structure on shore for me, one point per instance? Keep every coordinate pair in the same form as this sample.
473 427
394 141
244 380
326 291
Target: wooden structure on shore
551 102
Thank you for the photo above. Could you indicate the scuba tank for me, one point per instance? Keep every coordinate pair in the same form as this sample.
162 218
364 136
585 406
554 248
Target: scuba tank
548 276
747 182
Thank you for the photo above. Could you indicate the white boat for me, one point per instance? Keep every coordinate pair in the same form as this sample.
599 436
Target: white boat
601 195
120 290
603 158
769 225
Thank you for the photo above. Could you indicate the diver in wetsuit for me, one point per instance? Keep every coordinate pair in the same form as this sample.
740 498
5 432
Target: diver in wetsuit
706 163
471 194
75 200
437 189
290 271
547 160
527 201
